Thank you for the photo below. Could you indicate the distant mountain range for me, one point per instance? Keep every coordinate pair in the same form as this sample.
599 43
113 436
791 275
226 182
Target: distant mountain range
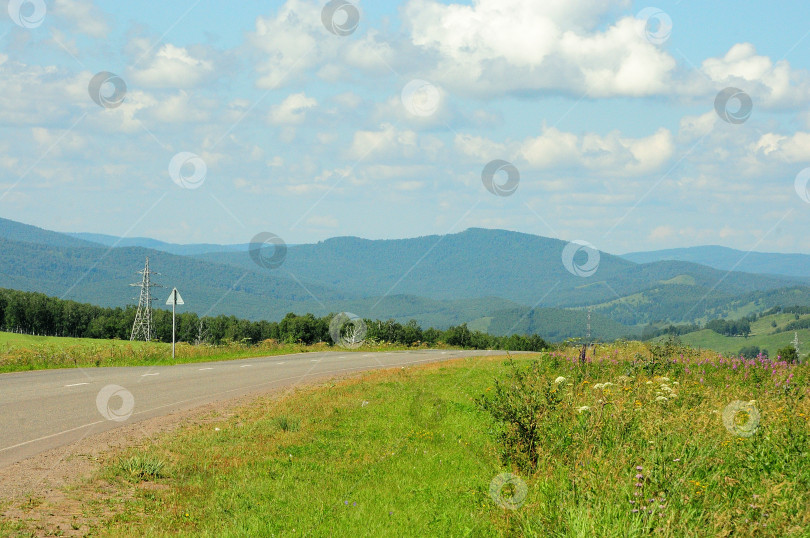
154 244
495 280
729 259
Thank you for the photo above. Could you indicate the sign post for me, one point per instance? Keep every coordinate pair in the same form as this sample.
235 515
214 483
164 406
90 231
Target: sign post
174 300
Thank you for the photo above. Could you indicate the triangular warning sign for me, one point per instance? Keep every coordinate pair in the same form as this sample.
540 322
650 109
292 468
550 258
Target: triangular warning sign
174 298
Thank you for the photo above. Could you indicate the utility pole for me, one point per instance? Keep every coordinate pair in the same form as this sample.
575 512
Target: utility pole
143 317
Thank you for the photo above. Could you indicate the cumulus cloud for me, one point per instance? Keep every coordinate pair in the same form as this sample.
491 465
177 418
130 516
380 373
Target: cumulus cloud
611 154
386 142
292 110
771 85
501 46
172 67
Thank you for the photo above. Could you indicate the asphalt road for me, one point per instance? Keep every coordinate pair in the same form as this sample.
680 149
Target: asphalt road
48 409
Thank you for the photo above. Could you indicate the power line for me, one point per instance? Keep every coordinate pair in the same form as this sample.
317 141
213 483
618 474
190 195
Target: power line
143 328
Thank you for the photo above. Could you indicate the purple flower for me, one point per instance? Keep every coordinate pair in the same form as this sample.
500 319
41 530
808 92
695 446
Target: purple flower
639 468
639 484
639 476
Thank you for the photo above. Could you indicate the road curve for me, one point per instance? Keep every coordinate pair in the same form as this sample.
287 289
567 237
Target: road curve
48 409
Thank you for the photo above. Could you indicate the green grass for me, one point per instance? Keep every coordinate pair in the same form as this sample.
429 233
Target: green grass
19 352
409 452
707 339
687 280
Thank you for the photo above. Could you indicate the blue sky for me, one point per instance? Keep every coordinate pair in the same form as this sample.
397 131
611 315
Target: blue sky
384 133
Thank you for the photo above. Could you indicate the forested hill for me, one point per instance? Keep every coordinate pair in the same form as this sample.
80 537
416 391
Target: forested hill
494 278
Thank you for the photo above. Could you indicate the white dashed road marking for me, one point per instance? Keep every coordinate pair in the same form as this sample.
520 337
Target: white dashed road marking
77 384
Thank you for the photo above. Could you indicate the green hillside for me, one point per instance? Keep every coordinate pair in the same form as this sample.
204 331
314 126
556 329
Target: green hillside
438 280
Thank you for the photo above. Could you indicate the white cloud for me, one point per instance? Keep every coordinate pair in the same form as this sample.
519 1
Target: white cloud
173 67
787 149
287 42
771 85
178 108
497 46
83 16
386 142
292 110
611 154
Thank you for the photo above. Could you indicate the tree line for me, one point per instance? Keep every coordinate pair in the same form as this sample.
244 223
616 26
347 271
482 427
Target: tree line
38 314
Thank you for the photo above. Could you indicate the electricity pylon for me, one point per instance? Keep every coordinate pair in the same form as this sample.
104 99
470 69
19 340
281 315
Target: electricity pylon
142 328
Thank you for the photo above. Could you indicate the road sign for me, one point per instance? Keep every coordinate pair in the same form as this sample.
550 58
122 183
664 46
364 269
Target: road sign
174 298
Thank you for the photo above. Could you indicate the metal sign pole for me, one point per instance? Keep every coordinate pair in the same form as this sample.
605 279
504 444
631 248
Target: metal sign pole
174 300
174 305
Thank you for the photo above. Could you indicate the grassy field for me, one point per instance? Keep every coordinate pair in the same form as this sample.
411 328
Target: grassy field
20 352
637 441
707 339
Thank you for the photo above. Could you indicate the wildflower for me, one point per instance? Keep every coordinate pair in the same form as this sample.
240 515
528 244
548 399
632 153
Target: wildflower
583 408
598 386
639 468
639 475
661 399
639 484
559 380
